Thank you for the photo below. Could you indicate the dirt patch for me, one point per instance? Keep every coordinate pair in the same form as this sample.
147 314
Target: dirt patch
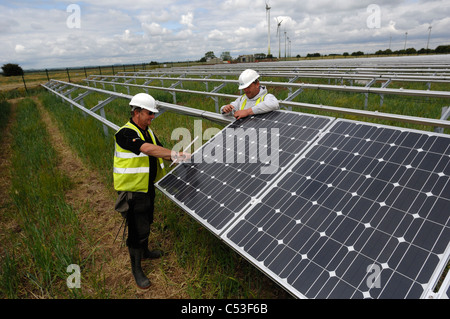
94 202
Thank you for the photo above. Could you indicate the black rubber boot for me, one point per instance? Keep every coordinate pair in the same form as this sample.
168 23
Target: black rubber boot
150 254
139 276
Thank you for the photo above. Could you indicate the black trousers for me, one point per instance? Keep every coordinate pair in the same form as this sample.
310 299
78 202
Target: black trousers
139 217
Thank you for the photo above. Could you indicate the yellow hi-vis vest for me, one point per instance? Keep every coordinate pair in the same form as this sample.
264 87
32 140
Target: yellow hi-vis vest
131 171
261 98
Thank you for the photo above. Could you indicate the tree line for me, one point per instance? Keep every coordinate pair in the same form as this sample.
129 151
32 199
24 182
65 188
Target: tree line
442 49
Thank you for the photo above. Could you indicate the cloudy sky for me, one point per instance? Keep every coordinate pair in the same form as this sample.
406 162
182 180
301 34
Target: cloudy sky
55 33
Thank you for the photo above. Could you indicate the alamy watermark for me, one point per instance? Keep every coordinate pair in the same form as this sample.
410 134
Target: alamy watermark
374 278
74 280
374 19
74 19
232 145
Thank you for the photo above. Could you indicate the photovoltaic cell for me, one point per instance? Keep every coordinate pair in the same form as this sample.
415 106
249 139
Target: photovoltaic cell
227 173
364 213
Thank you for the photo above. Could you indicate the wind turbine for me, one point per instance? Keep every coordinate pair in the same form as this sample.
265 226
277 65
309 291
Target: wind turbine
268 25
406 38
429 33
279 39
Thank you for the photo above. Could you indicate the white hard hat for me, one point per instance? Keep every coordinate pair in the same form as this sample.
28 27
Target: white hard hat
246 78
145 101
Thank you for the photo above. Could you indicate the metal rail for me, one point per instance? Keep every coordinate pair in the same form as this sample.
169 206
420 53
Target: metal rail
344 88
227 119
163 105
332 74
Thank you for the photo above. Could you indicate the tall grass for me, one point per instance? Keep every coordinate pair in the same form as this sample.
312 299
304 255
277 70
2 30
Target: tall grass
44 242
5 112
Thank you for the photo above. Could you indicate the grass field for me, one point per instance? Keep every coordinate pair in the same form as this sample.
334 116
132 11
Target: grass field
43 232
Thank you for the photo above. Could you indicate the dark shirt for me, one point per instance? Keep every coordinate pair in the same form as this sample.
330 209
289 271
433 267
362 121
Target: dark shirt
129 139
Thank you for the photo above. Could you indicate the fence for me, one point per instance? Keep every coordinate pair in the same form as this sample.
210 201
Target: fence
34 78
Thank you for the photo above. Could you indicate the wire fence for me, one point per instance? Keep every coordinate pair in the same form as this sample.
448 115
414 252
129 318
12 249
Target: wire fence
32 79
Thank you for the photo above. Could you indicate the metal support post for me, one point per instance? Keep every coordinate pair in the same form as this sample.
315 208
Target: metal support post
384 85
445 114
368 85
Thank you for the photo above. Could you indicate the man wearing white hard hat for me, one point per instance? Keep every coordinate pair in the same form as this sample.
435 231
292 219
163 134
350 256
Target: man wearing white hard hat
138 164
256 99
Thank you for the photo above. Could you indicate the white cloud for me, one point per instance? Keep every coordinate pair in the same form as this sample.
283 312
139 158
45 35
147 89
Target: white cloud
37 36
187 19
19 48
216 35
154 29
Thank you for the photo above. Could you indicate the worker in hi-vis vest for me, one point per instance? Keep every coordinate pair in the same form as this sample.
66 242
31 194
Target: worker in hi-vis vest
138 164
256 100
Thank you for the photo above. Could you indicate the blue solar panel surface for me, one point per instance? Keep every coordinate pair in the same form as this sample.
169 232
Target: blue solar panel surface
364 214
360 211
236 165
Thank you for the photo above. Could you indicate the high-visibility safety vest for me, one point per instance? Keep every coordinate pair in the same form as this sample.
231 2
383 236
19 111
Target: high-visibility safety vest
131 171
261 98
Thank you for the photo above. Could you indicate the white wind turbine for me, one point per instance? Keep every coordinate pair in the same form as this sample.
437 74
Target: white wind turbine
279 39
268 25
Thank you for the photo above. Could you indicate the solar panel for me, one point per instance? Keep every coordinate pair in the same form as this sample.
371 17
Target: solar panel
228 172
363 213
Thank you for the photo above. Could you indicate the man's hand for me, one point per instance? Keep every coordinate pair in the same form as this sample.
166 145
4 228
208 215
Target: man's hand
243 113
227 108
178 157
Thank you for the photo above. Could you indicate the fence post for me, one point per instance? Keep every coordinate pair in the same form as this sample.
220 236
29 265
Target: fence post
68 75
48 78
24 84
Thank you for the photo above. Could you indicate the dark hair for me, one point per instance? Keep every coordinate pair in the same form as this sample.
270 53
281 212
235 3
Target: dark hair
135 108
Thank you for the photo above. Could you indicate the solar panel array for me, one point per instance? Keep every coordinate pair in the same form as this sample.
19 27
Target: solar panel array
353 210
232 168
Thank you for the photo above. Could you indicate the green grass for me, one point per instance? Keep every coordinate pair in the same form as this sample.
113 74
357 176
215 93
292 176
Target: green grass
35 262
5 112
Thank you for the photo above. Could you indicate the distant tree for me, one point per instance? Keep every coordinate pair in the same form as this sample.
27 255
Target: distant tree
209 55
443 49
346 54
384 52
357 53
11 69
226 56
425 51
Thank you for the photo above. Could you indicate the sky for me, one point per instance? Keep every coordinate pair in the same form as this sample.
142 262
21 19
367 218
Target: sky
54 33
